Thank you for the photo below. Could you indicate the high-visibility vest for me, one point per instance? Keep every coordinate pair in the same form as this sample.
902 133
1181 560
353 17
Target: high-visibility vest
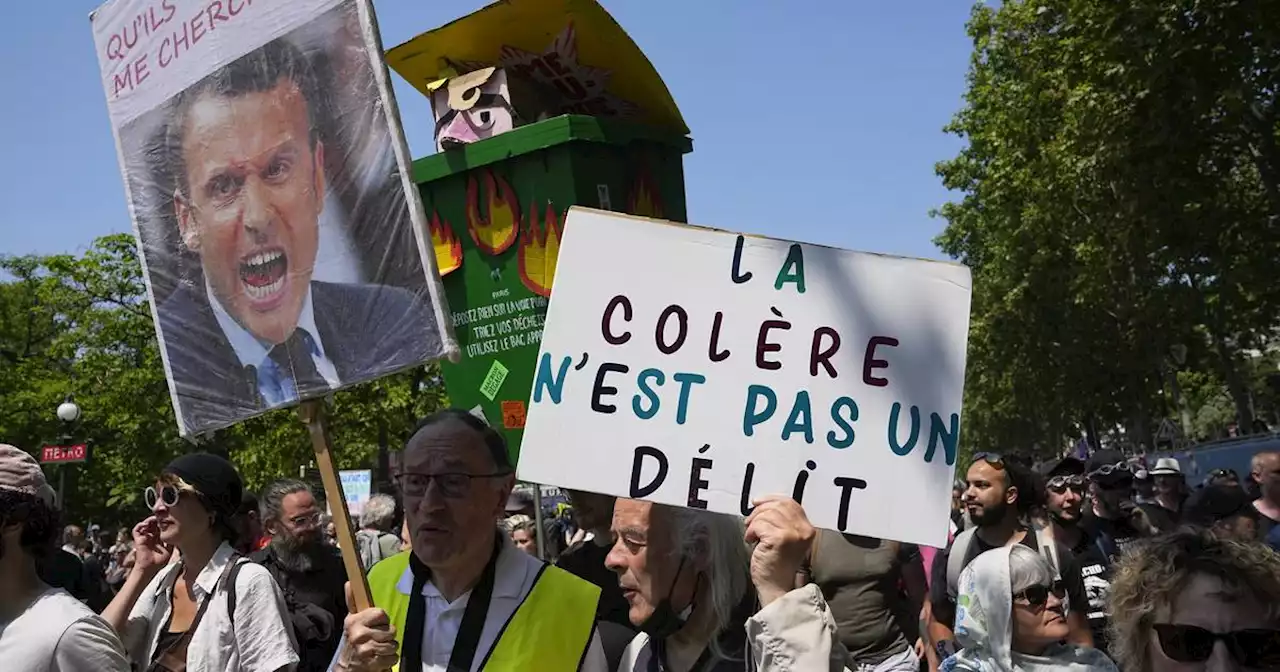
549 631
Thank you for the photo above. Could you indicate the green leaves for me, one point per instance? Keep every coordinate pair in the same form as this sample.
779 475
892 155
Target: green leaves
1111 207
81 325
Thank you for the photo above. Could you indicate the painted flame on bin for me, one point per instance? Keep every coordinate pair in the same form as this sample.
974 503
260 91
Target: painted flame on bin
494 228
539 248
447 246
644 200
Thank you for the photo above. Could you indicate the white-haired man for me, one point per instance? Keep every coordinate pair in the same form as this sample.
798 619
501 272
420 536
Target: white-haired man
689 577
685 575
375 540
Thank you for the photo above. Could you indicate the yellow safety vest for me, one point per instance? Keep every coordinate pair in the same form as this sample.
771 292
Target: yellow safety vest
549 631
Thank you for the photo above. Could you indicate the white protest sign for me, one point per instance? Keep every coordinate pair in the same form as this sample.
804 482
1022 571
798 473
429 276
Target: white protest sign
701 368
356 487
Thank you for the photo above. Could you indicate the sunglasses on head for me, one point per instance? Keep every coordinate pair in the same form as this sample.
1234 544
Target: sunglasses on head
1060 484
1190 644
1119 468
167 494
1224 473
1038 595
994 459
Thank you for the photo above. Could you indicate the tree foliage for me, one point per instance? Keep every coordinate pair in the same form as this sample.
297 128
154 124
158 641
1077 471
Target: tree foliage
1118 197
80 325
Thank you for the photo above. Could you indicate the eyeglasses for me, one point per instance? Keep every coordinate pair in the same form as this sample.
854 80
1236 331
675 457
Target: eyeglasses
452 486
1060 484
1109 469
168 494
1038 595
994 459
307 519
1189 644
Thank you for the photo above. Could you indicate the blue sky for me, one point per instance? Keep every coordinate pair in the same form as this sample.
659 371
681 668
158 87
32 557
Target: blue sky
849 162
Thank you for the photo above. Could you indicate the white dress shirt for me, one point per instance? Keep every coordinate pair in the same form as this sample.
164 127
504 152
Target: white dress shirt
253 352
513 578
261 639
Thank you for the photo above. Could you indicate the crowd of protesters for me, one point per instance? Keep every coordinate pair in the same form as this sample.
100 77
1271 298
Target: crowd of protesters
1097 564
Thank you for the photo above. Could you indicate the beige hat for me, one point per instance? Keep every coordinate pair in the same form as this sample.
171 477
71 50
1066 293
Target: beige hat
1166 466
20 472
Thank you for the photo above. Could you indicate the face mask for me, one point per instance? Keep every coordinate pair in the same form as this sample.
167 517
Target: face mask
664 621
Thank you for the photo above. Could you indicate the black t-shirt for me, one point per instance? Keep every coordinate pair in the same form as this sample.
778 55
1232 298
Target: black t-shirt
317 605
944 606
1265 525
63 569
1117 535
586 561
1093 558
1161 518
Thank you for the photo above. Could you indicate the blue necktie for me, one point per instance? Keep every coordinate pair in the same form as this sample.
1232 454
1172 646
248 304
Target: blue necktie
293 359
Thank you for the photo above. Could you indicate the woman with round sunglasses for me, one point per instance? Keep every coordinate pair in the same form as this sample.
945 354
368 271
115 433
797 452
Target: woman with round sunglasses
191 601
1193 601
1011 617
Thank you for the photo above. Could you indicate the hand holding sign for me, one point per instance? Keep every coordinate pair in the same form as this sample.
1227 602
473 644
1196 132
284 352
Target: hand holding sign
782 536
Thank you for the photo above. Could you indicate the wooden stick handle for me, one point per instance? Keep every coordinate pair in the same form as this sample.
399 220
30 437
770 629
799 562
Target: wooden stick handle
312 414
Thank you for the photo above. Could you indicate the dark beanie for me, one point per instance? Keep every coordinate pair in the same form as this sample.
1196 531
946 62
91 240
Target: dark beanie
213 477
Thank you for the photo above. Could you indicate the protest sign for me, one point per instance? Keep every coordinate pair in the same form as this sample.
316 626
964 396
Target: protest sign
356 487
704 368
282 238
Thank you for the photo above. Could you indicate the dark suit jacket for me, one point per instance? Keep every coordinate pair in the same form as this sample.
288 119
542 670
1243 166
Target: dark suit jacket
367 331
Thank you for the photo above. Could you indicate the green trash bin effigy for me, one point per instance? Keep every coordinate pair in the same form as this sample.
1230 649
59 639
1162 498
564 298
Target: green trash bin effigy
540 105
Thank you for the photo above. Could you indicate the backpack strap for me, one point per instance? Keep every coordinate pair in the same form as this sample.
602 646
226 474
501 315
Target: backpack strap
1048 547
231 588
957 559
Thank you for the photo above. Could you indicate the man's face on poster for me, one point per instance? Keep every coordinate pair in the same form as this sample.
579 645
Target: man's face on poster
255 190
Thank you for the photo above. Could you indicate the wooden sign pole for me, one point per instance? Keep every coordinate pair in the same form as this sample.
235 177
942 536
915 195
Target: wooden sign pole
312 414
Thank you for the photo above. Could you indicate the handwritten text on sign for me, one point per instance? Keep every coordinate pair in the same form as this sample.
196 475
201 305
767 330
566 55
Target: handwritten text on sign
702 368
148 50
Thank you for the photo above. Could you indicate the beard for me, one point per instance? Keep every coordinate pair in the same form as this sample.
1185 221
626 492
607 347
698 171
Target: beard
299 554
989 515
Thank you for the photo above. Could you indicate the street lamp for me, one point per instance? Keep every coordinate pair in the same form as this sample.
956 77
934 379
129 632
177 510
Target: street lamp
68 413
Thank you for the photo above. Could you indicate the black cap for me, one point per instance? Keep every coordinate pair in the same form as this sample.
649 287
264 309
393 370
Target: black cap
213 477
1067 465
519 501
1213 503
1103 458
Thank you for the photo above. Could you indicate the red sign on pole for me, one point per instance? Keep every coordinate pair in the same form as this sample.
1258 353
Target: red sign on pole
60 454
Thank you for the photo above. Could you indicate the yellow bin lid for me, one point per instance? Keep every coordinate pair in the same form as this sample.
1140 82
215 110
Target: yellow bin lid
574 46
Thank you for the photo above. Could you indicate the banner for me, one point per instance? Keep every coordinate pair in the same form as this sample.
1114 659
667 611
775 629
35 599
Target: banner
704 368
282 239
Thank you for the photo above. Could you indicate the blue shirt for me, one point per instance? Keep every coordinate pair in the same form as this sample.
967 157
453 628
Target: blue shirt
276 386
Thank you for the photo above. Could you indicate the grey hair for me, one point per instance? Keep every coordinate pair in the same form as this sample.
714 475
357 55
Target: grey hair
272 501
379 513
717 539
1027 568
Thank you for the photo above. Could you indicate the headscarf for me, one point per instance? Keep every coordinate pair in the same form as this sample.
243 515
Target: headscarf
984 626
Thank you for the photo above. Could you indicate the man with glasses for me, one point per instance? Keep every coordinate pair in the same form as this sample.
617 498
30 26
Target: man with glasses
464 598
1065 490
1110 519
309 571
999 499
